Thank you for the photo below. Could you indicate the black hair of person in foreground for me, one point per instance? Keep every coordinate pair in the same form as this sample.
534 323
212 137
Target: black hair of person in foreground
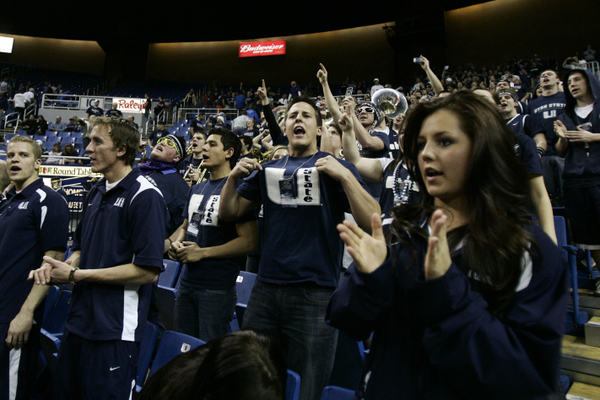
243 365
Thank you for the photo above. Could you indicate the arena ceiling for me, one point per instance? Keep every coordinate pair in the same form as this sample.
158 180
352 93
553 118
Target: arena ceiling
153 22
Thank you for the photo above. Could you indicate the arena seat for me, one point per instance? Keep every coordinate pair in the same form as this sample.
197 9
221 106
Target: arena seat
166 297
57 314
145 355
64 134
337 393
292 387
49 344
243 286
168 278
173 344
576 319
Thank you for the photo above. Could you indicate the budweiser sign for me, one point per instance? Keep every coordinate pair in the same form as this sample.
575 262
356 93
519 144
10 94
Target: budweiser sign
255 49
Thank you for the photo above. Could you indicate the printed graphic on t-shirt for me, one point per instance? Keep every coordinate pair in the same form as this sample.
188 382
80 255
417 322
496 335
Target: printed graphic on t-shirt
307 191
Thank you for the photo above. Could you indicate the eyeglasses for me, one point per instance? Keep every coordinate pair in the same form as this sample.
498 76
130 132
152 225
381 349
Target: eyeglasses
169 143
368 110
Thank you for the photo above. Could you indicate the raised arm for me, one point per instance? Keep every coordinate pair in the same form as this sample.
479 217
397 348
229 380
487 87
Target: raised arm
367 141
274 128
435 82
330 101
368 168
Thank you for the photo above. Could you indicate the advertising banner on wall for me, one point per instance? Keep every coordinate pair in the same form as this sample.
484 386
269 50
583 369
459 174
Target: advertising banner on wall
257 49
129 105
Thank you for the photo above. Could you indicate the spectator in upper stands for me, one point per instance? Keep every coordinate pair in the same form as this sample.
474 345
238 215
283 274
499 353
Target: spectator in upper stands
190 100
300 253
34 222
571 63
69 150
578 130
158 133
20 103
73 125
240 123
453 316
54 154
198 123
147 106
544 111
4 85
240 101
376 86
209 246
57 125
3 105
131 119
114 112
42 125
110 271
94 109
160 109
4 179
30 96
588 55
295 90
30 125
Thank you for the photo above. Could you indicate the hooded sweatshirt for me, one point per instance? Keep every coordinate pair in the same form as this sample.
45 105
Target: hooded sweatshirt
582 163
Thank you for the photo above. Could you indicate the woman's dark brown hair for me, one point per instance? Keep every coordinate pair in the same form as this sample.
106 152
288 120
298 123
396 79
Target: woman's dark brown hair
496 189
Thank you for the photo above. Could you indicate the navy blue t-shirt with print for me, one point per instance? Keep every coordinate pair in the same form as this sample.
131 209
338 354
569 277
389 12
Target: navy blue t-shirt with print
301 208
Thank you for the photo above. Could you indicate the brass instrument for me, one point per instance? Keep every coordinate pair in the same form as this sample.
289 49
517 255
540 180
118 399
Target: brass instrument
201 171
391 101
260 157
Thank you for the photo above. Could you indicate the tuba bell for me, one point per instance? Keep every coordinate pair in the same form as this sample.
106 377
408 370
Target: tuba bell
391 101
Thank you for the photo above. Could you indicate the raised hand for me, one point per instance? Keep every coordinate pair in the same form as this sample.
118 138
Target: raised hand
437 260
368 251
322 75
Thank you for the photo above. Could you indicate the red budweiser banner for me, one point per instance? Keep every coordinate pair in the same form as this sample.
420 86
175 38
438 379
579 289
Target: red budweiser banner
256 49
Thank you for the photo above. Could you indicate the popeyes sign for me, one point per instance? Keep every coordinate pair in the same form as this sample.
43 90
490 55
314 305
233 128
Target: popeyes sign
256 49
129 105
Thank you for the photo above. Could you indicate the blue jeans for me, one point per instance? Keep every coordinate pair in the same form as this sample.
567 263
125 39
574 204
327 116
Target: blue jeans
294 316
204 313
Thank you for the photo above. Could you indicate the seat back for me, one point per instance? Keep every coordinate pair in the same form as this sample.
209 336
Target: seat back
337 393
292 387
244 284
57 317
146 351
173 344
168 277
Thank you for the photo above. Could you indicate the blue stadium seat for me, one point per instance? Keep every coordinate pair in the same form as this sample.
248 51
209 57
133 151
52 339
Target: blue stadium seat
51 133
64 134
77 134
576 319
168 278
53 139
292 388
166 297
243 286
173 344
337 393
49 344
145 355
40 137
57 315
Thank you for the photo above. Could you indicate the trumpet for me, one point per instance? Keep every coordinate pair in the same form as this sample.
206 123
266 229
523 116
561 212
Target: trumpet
201 171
